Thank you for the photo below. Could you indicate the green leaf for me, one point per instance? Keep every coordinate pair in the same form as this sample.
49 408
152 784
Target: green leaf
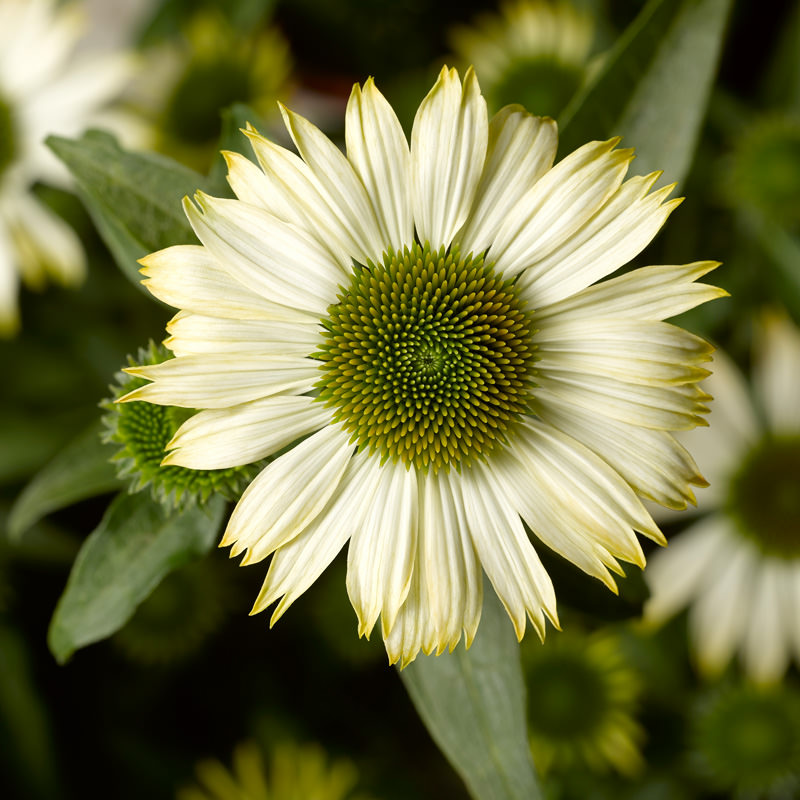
654 86
473 705
782 79
134 199
81 470
136 544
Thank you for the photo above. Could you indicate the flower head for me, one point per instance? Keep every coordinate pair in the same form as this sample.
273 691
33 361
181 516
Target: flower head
143 432
420 328
533 52
45 87
582 696
738 567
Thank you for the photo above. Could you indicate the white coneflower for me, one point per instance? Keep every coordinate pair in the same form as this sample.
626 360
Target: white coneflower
420 327
45 87
533 52
738 567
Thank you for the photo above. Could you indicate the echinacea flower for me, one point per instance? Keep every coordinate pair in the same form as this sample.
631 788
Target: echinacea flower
738 566
45 87
746 741
421 329
582 697
532 52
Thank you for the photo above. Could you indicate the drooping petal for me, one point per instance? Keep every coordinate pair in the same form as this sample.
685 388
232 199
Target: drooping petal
232 437
299 562
378 150
448 149
220 381
521 149
380 558
505 552
651 461
287 495
189 277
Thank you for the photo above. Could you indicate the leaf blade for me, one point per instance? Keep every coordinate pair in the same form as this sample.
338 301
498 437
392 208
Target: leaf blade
473 704
135 545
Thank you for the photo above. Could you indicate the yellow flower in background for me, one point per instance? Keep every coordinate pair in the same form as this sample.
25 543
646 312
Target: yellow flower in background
421 331
296 773
582 700
533 52
738 566
215 65
47 86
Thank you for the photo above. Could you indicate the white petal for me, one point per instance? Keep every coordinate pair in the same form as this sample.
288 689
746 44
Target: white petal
380 558
718 618
231 437
720 448
558 205
188 276
195 334
792 604
378 150
273 258
505 552
219 381
678 573
765 651
633 351
339 185
451 571
44 243
646 293
652 462
776 374
667 408
288 189
521 149
448 149
299 562
287 495
619 230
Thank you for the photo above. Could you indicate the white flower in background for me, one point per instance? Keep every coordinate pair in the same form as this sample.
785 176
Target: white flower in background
533 52
419 327
738 566
45 87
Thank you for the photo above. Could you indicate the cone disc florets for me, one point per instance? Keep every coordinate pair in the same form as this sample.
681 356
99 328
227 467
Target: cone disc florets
427 358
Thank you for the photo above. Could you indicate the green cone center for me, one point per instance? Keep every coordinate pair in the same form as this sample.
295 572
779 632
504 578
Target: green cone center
427 358
7 136
765 498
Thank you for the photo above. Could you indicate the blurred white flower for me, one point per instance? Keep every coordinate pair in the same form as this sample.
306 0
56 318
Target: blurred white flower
738 566
46 87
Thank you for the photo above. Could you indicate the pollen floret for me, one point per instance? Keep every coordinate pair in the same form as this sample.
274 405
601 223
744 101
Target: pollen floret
427 358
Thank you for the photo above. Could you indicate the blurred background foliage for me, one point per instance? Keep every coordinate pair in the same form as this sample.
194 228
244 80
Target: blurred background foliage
616 710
